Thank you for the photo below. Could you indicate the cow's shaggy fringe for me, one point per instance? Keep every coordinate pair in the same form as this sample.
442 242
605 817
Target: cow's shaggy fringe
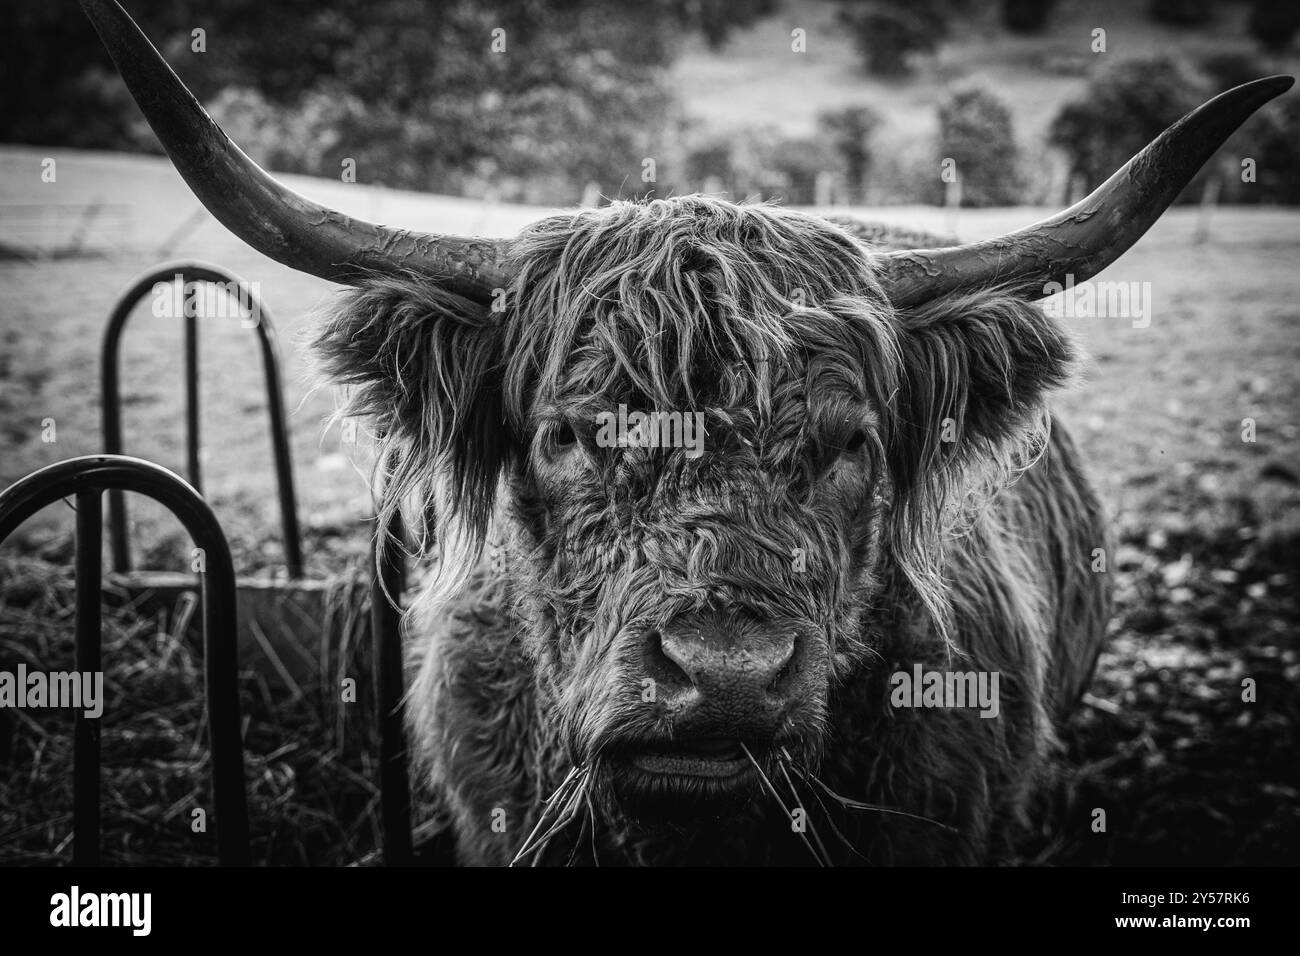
664 296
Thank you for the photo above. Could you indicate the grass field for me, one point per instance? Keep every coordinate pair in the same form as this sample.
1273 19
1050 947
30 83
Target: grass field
1208 524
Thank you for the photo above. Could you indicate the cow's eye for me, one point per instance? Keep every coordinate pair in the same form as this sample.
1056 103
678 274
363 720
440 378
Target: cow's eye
855 442
562 436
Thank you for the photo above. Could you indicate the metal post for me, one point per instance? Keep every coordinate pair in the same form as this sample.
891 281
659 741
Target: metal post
388 573
192 398
280 444
85 745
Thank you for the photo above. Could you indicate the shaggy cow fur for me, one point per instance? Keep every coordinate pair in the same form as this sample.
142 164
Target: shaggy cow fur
942 513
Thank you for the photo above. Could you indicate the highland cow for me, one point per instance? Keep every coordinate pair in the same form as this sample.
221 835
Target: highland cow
628 653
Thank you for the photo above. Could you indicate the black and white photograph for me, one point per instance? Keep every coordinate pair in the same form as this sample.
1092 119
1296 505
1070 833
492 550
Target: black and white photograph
651 433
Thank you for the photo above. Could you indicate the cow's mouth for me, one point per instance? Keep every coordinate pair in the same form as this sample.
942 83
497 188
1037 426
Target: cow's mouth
713 758
660 780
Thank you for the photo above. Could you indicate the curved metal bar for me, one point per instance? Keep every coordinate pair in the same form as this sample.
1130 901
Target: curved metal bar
188 272
86 478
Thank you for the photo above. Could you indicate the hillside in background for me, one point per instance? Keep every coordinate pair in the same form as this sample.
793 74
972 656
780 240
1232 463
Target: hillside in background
584 92
765 106
754 79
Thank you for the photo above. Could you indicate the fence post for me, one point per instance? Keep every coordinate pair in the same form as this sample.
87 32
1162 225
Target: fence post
89 644
388 578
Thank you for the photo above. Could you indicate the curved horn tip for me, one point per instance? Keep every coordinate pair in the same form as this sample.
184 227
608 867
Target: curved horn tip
1278 82
1128 203
1251 96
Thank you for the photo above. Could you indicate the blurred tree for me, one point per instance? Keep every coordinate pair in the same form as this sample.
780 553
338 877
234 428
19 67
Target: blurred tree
1270 138
57 78
1120 112
715 19
1182 13
708 164
1273 142
754 174
412 90
1228 68
1026 16
975 131
888 33
759 163
797 161
1274 23
848 133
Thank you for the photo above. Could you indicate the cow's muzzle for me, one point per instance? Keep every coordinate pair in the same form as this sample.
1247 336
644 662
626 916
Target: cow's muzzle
726 680
727 694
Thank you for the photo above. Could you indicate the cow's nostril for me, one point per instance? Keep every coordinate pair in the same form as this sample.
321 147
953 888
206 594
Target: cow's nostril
785 669
681 656
660 663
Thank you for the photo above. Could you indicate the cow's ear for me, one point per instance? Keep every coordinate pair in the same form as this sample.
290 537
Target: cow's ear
424 366
974 372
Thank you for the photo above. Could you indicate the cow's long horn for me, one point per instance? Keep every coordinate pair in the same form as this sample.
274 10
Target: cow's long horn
267 215
1092 233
